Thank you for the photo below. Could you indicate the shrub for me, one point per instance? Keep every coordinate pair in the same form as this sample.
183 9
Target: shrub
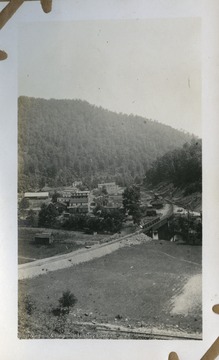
67 299
193 187
29 305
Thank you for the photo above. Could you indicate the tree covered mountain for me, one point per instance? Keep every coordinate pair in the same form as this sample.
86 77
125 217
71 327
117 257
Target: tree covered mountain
182 167
63 140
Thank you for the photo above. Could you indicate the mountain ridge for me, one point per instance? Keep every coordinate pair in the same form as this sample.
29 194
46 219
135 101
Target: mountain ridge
60 140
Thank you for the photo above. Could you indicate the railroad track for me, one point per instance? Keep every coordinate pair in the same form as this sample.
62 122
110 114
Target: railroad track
136 333
41 266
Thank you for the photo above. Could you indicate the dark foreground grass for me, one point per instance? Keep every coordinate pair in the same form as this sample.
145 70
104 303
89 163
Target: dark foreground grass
132 287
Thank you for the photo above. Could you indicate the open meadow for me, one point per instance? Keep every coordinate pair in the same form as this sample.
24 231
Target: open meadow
156 285
64 242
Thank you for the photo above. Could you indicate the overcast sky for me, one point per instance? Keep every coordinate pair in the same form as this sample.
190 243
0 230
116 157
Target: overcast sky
147 67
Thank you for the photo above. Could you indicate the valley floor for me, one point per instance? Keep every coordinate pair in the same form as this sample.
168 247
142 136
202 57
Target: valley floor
147 290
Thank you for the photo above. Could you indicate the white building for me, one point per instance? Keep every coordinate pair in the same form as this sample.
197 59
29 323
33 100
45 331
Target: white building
111 188
77 183
36 195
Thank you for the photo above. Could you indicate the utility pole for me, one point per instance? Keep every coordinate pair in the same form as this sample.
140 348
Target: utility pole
188 224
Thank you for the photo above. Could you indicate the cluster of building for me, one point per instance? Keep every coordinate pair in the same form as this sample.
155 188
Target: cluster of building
76 202
72 200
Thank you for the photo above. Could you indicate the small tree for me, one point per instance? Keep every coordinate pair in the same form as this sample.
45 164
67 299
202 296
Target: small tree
55 197
131 202
29 305
137 216
187 227
199 232
47 215
23 205
104 190
32 218
67 300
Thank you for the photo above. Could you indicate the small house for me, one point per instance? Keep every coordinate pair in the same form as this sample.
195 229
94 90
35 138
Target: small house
151 213
44 238
157 204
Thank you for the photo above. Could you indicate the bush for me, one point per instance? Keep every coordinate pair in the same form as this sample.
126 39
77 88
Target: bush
67 299
29 305
192 188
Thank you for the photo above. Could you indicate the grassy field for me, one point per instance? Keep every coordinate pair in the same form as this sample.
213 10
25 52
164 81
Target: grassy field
64 242
134 286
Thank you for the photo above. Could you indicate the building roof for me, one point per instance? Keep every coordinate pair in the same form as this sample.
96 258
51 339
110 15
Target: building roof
59 203
107 184
78 200
36 194
84 192
44 235
74 192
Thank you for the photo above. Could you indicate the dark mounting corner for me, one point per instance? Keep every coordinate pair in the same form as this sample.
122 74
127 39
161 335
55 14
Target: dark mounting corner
10 9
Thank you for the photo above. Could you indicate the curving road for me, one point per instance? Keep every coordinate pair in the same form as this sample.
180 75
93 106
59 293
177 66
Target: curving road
42 266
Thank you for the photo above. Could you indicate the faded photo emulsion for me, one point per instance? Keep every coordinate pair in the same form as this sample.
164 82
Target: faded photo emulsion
110 179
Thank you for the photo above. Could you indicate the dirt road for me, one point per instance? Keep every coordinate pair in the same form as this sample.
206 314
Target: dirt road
189 299
167 210
42 266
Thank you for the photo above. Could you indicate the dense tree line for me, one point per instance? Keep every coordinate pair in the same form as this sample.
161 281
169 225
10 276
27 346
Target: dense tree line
182 167
109 220
188 227
62 140
105 220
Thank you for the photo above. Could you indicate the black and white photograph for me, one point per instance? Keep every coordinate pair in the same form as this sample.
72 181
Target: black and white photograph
109 186
110 180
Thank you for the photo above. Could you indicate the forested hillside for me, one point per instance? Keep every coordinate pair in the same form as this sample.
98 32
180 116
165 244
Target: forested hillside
182 167
63 140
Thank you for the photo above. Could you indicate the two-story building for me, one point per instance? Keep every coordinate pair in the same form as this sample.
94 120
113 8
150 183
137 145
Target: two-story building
77 202
111 187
